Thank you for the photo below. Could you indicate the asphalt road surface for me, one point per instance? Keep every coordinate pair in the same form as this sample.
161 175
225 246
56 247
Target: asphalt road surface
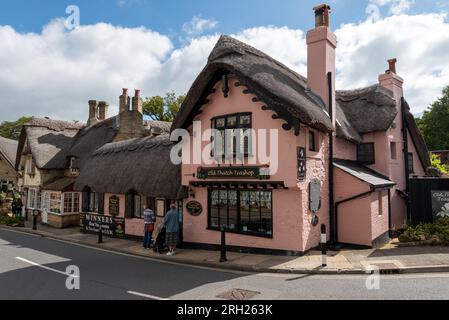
33 267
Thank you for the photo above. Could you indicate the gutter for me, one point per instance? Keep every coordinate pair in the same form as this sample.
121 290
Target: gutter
332 214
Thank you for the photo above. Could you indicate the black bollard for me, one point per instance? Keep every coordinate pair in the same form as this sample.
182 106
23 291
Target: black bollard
223 245
34 222
323 246
100 235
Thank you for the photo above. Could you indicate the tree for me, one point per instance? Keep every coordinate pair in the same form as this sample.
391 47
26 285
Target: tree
11 130
436 163
163 108
434 123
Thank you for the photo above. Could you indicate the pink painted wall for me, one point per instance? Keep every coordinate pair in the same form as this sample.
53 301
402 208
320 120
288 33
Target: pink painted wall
344 149
417 166
359 221
291 219
379 213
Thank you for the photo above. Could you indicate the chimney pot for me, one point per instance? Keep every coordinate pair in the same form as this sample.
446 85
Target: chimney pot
322 13
392 65
137 92
125 91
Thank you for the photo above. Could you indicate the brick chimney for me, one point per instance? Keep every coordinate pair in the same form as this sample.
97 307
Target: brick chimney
130 120
102 110
93 112
321 45
392 81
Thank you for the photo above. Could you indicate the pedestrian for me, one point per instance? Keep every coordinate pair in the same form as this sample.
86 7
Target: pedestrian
14 207
149 219
19 206
171 223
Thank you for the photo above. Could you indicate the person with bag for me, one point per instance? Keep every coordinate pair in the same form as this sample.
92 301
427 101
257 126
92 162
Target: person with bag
171 224
149 219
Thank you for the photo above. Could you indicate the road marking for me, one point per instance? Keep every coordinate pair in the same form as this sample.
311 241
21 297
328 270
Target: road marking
143 295
47 268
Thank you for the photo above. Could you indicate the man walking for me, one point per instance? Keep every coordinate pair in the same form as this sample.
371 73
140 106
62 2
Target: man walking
149 219
171 224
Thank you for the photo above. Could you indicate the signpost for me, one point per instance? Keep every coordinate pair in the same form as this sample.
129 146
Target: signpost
440 204
110 226
194 208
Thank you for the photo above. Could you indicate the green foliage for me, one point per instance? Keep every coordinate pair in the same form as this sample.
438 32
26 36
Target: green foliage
434 123
12 221
11 130
437 232
163 108
436 163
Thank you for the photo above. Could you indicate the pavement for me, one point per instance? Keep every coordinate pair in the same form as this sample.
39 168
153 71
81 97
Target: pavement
390 259
34 267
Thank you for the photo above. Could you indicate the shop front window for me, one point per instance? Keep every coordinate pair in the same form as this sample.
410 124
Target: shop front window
241 211
93 202
55 202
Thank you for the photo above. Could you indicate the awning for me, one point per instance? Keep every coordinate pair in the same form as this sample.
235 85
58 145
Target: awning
239 185
59 184
365 174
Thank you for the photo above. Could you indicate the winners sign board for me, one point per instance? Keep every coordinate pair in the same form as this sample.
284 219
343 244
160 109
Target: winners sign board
110 226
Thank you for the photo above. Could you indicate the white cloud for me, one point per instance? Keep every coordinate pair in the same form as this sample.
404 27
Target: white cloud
56 72
396 7
198 25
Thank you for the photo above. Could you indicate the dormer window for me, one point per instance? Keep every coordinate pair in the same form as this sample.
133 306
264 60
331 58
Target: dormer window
31 168
72 168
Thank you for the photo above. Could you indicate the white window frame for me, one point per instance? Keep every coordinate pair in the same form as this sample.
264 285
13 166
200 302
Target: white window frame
72 197
32 198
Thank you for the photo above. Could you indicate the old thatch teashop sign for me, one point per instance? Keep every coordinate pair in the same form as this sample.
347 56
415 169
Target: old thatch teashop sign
194 208
110 226
440 204
234 173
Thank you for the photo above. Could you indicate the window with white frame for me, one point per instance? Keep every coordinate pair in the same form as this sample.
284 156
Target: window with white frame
31 169
55 202
71 202
32 198
93 202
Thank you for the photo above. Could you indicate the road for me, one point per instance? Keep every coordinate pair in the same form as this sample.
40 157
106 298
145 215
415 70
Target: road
33 267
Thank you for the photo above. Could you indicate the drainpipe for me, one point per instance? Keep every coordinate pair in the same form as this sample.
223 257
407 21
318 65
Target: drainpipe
390 227
337 205
332 229
406 164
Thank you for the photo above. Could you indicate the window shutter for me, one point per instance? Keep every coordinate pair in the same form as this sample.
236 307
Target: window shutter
101 203
129 205
85 207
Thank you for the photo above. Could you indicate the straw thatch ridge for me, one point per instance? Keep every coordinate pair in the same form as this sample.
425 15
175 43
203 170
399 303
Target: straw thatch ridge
281 89
415 134
139 165
8 148
368 109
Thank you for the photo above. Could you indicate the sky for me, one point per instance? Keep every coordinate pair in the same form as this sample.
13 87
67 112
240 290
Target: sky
50 66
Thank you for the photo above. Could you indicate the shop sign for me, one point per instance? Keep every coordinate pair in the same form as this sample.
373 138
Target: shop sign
194 208
111 226
440 204
114 206
302 168
234 173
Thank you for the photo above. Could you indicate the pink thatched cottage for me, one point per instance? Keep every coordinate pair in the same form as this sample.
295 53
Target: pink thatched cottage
338 158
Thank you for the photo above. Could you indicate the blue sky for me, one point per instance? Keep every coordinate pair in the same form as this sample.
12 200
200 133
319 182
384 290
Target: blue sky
169 16
161 46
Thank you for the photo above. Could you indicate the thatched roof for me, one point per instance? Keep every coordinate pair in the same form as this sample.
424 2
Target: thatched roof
141 165
8 149
59 184
417 138
364 110
90 139
48 141
281 89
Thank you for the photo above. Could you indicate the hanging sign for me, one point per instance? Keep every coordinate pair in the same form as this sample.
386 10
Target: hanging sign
315 195
234 173
194 208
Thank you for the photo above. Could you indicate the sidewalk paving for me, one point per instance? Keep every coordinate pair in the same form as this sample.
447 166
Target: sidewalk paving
389 259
